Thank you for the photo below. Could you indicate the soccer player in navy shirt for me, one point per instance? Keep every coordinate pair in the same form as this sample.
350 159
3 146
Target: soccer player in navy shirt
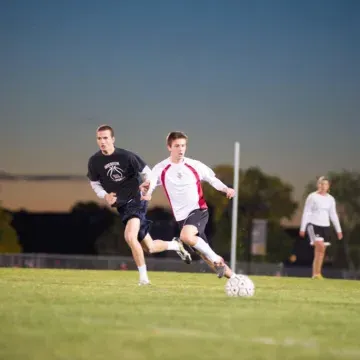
115 175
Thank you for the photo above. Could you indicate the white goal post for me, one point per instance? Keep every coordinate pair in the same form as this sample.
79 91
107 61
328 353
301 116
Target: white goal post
234 219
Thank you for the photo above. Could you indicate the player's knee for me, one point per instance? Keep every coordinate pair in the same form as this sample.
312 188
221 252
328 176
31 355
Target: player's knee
146 250
130 238
149 249
188 235
187 239
319 246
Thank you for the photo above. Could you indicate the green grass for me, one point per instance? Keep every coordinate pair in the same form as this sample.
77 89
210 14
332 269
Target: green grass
78 315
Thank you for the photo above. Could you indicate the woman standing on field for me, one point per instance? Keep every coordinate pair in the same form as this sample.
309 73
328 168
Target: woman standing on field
319 210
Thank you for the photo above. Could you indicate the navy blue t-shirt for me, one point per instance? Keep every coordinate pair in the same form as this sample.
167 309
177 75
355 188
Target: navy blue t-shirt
117 173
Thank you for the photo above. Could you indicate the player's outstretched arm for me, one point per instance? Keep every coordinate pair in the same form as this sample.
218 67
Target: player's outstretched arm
209 176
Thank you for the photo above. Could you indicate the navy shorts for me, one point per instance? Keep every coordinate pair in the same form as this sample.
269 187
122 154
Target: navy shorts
136 208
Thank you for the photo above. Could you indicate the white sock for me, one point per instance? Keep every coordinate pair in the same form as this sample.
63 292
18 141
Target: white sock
143 273
205 249
173 245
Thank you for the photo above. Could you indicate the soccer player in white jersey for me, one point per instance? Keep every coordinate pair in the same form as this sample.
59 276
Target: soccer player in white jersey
114 175
181 179
319 209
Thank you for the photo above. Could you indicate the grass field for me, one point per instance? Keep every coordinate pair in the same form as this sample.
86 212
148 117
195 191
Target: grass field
73 315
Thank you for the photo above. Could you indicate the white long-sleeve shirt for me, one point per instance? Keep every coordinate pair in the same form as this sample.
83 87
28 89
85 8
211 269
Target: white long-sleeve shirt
182 184
319 210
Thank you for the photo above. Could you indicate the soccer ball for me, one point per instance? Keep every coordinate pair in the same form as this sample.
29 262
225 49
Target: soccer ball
240 285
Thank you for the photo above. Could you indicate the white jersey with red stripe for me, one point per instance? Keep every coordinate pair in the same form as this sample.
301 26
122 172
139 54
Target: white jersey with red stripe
182 184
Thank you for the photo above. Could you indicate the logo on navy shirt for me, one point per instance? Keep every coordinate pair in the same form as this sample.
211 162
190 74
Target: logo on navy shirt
114 171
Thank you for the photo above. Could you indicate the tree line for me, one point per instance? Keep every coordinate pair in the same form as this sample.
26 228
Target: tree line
261 196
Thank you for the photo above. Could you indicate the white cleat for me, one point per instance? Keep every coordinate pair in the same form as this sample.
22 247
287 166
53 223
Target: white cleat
144 282
184 254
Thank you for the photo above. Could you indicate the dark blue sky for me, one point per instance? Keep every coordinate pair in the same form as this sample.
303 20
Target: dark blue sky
282 77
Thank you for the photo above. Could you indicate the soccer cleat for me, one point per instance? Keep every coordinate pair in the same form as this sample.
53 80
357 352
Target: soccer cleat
220 268
144 282
184 254
318 277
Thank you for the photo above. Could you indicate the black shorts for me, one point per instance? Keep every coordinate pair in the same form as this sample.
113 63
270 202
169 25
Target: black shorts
136 208
198 218
318 233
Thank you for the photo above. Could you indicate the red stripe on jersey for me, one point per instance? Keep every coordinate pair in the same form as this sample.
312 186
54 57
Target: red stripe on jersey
163 173
202 202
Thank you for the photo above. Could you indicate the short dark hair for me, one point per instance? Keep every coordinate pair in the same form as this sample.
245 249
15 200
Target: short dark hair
106 127
174 135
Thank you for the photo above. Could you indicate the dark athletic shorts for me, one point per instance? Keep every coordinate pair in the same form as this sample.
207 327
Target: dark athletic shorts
136 208
315 232
198 218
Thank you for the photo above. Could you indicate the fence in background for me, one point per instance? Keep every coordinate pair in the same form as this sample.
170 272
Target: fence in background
54 261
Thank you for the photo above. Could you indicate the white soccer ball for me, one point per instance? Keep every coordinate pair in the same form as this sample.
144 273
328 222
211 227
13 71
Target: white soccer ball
240 285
